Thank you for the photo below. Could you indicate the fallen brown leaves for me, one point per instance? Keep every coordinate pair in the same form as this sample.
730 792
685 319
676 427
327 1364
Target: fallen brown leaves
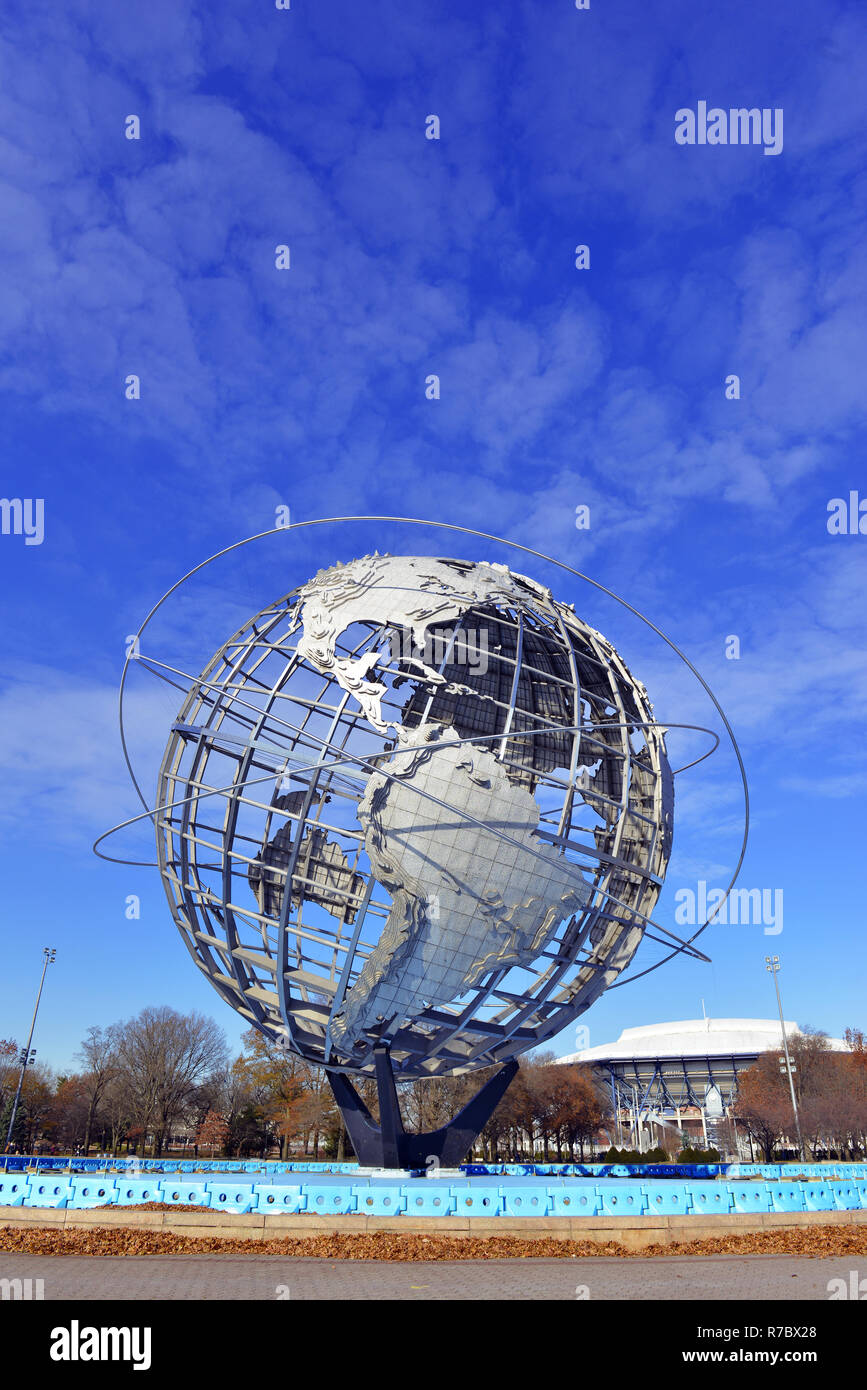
816 1242
158 1206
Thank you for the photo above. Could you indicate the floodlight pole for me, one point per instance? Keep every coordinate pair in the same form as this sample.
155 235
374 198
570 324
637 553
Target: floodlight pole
48 956
772 964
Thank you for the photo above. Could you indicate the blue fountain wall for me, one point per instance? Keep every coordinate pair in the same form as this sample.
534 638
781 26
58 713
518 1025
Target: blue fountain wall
531 1190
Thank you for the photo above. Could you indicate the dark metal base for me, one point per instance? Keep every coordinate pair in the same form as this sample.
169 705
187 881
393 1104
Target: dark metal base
387 1144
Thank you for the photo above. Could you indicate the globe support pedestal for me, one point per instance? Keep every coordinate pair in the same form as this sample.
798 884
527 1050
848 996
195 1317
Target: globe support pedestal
388 1145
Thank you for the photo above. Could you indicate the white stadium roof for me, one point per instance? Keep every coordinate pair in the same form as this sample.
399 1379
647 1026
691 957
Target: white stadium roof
694 1037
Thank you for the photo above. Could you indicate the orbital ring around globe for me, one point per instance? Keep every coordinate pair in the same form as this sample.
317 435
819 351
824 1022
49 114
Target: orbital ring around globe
486 861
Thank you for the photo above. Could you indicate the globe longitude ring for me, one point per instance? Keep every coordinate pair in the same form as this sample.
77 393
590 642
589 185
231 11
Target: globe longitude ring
415 807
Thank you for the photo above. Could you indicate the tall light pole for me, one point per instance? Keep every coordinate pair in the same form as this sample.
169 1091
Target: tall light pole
772 963
27 1054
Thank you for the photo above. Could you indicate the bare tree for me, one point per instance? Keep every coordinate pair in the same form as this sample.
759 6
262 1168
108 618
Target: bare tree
166 1055
99 1054
831 1091
9 1065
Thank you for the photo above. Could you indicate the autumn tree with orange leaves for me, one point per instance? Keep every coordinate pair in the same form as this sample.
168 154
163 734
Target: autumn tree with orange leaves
212 1133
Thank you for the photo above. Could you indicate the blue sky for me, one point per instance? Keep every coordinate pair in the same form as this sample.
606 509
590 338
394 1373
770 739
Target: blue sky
306 387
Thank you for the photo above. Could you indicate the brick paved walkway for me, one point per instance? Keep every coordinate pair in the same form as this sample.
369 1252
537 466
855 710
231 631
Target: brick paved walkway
193 1277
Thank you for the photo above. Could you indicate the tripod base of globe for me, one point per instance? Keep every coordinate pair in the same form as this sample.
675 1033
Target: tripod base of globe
388 1145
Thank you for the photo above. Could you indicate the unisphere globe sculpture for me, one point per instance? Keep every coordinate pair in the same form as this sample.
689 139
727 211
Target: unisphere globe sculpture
416 810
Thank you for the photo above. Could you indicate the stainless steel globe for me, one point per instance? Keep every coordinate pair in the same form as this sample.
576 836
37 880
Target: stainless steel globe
415 804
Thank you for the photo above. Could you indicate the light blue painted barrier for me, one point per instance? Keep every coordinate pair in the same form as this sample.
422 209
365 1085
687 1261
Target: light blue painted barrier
791 1169
526 1199
575 1201
429 1198
619 1200
845 1195
276 1197
13 1190
750 1197
668 1198
786 1196
232 1196
477 1199
47 1191
559 1196
178 1192
381 1199
92 1191
713 1197
819 1196
330 1200
131 1192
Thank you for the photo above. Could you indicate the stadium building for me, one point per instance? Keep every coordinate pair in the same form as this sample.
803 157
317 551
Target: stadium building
673 1079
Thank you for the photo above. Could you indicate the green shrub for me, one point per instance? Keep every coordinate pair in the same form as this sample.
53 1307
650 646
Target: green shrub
657 1155
614 1155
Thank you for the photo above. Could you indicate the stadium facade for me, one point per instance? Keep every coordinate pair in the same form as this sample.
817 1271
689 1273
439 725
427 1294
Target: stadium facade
669 1080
